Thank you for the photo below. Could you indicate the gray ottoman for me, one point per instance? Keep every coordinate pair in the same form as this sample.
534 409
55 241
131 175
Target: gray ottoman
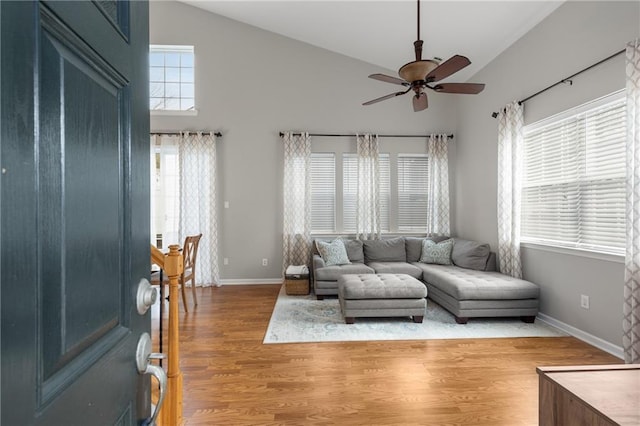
381 295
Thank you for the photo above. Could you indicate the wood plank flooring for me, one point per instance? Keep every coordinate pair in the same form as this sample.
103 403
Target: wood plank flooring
231 378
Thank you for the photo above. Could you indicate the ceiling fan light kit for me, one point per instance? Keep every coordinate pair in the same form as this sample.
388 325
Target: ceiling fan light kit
421 73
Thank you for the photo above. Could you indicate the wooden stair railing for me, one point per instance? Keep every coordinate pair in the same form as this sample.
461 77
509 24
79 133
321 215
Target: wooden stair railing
157 257
173 265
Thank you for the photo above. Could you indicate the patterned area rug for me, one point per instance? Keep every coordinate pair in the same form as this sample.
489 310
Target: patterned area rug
305 319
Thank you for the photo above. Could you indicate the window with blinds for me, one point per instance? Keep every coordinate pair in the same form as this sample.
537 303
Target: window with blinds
323 192
350 191
413 184
573 191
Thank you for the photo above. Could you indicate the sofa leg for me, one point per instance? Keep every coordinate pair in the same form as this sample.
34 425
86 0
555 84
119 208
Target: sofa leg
319 297
418 318
462 320
349 320
529 319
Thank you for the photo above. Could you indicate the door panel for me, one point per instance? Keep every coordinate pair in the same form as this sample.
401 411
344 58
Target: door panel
74 211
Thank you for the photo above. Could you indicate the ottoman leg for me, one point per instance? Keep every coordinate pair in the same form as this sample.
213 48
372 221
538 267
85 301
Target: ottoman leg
349 320
418 318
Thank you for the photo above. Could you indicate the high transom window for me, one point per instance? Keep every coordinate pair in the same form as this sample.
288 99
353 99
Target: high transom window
171 78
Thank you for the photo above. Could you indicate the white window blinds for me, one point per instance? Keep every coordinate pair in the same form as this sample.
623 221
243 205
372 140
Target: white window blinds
323 192
413 184
574 178
350 191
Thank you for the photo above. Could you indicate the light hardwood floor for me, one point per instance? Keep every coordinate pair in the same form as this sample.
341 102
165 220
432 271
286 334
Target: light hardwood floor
231 378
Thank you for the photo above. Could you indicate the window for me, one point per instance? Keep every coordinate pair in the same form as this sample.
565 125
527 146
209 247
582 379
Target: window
171 78
323 192
573 191
165 212
350 191
333 195
413 185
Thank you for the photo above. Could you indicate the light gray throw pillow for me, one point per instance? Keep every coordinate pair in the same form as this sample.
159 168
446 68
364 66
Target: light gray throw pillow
439 253
333 253
470 254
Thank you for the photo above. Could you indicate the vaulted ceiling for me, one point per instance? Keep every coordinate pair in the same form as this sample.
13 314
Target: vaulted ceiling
382 32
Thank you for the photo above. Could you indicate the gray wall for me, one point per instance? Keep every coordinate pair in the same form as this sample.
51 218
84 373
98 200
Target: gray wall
575 36
251 84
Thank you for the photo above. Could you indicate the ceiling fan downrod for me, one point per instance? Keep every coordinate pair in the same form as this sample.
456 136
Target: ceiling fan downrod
418 43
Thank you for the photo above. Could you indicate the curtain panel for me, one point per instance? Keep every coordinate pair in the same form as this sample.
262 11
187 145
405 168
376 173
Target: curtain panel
368 224
197 171
296 247
631 308
510 142
438 199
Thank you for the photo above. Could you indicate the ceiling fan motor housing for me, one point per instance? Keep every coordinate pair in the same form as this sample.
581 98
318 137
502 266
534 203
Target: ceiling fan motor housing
417 70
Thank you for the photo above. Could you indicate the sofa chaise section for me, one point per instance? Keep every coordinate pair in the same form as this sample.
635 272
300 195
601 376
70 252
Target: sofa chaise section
471 293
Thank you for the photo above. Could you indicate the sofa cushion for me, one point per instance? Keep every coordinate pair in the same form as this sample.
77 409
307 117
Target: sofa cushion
396 268
333 253
469 284
439 253
413 246
380 286
390 250
332 273
355 251
470 254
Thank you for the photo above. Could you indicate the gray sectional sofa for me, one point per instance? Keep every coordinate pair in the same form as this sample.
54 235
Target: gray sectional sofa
469 287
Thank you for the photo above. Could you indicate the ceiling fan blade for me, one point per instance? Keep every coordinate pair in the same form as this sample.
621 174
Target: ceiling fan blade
392 95
389 79
464 88
420 102
448 67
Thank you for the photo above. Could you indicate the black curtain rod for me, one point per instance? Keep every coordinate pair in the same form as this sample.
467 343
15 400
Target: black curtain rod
217 134
565 80
353 135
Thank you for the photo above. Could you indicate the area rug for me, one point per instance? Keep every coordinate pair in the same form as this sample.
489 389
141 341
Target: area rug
305 319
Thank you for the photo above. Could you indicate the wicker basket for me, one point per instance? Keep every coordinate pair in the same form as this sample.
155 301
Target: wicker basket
296 284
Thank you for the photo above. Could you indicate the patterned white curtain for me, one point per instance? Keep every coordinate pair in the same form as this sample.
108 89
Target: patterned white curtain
438 200
631 309
368 197
296 247
198 201
510 141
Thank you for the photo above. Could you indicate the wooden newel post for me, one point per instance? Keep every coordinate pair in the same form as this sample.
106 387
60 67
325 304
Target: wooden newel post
171 411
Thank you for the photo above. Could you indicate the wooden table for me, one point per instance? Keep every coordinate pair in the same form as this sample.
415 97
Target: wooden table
589 395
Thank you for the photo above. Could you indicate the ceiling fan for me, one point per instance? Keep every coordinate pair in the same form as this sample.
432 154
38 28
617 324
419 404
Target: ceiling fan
423 73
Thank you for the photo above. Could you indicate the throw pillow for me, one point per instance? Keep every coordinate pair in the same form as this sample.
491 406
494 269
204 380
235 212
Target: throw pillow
333 253
439 253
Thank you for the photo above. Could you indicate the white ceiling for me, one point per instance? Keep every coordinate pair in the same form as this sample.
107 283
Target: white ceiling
383 32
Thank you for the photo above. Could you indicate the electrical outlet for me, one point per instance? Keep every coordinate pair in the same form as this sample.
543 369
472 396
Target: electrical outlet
225 261
226 204
265 262
584 301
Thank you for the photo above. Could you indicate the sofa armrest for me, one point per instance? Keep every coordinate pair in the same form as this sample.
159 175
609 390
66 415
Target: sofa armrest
318 262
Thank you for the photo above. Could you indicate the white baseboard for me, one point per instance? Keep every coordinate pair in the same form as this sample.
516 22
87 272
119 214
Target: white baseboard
251 281
599 343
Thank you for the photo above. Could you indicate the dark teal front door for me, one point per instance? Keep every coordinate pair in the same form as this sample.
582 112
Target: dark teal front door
74 211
